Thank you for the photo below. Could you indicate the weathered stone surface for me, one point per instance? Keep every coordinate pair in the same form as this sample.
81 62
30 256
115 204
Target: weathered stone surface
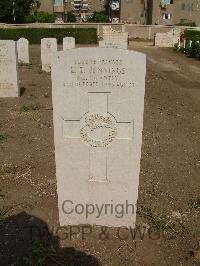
98 103
168 39
68 43
113 43
48 49
9 86
109 33
23 50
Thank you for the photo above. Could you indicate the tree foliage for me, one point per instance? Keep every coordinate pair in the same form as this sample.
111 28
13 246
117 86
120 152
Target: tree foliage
71 17
101 17
6 10
41 17
15 11
45 17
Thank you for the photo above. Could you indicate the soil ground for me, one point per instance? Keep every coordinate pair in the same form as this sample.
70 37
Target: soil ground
169 192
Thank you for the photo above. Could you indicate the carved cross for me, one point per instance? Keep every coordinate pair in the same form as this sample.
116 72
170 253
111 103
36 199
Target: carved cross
98 129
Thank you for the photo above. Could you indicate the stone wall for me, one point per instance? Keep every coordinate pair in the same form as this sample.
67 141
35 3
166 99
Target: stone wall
135 31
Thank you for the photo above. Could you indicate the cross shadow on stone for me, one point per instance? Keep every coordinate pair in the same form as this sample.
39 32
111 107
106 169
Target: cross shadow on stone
26 240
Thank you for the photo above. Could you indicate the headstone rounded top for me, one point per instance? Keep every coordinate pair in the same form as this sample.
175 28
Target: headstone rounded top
23 50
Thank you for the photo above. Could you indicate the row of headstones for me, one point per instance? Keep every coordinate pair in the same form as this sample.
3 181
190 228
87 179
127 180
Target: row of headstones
98 104
12 52
187 43
46 43
172 38
23 47
49 48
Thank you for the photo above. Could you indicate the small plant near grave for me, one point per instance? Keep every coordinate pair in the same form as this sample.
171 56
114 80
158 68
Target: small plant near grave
38 254
29 108
159 220
2 194
179 48
8 168
194 205
24 108
192 50
36 107
30 66
3 137
4 212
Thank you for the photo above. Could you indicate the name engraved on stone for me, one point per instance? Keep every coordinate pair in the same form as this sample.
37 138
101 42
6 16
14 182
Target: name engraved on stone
106 75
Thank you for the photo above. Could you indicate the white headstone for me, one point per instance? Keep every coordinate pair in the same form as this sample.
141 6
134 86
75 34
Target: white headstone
68 43
109 33
113 43
98 103
168 39
48 49
23 50
9 86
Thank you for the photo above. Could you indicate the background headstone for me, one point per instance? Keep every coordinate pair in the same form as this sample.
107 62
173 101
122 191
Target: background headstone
23 50
113 43
9 86
168 39
68 43
184 43
109 33
98 103
48 49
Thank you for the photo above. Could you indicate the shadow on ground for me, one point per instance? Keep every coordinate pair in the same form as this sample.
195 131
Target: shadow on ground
26 240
